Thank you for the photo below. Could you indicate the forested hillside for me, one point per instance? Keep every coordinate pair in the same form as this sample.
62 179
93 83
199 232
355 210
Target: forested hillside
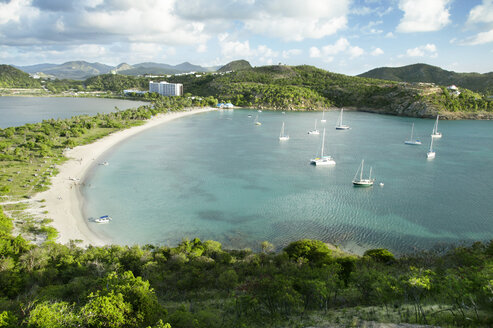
482 83
11 77
200 284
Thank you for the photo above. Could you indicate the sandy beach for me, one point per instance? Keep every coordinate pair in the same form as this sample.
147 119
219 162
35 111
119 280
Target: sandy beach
63 200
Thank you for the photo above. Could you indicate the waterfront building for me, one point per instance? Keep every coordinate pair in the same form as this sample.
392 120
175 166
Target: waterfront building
166 89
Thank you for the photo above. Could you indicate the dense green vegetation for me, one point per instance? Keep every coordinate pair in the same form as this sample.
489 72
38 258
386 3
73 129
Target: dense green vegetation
199 284
467 101
482 83
236 65
11 77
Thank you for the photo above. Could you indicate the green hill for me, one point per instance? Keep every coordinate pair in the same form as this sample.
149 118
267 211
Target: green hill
11 77
236 65
482 83
309 88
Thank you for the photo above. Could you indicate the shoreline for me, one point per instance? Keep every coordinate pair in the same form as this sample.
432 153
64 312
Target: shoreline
63 200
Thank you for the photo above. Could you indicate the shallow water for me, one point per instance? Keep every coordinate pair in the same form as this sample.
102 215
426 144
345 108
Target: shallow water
218 176
17 111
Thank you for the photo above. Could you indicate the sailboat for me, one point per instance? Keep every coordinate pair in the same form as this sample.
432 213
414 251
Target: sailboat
362 182
282 136
412 141
339 125
314 131
435 133
431 153
323 160
256 121
323 120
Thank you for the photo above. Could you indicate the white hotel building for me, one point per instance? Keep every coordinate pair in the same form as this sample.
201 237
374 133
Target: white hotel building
166 89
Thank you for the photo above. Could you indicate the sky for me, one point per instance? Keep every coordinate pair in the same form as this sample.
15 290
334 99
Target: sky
343 36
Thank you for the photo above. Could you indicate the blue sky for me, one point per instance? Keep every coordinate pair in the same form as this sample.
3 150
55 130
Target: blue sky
344 36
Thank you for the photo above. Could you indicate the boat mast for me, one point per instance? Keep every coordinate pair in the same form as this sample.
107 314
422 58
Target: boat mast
361 172
431 145
412 132
323 144
369 178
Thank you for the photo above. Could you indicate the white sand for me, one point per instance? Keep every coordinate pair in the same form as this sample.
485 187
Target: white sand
63 200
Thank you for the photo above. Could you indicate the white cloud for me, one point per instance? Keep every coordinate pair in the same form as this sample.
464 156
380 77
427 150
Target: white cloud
341 46
480 38
377 52
331 49
291 52
16 10
481 15
315 52
238 49
423 15
291 20
202 48
389 35
422 51
355 51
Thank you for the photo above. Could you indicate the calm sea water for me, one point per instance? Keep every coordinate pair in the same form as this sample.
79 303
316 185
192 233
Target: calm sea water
17 111
218 176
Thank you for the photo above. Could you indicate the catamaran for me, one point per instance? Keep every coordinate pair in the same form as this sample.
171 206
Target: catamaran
412 141
340 125
323 120
314 131
256 121
323 160
435 133
362 182
431 153
282 136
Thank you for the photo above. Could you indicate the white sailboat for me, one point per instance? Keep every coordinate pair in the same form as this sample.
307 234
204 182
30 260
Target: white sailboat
361 182
431 153
435 133
314 131
412 141
323 120
340 125
282 136
323 159
256 121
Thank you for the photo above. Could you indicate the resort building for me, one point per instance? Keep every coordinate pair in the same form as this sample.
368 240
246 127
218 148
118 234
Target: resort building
166 89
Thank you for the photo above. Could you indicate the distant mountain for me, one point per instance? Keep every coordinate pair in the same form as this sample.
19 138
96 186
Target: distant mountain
157 69
11 77
81 70
236 65
31 69
482 83
74 70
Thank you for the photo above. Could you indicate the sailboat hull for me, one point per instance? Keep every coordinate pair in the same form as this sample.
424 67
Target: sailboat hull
363 183
324 161
412 142
342 127
430 155
436 135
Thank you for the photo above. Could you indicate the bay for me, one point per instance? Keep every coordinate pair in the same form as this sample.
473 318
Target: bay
17 111
218 176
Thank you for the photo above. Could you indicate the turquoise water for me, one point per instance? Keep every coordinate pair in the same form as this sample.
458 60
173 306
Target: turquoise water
17 111
218 176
